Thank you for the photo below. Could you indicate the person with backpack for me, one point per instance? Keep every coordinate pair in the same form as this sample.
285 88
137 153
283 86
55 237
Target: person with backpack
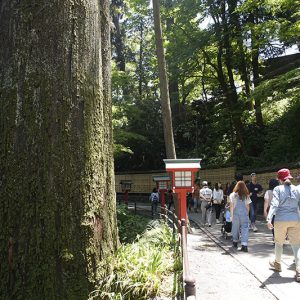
285 204
154 198
239 210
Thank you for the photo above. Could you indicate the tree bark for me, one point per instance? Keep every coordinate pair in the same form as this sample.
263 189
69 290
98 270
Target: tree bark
118 35
163 80
230 91
255 72
56 168
141 58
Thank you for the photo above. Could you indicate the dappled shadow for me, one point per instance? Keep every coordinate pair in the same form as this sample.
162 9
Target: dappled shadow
276 278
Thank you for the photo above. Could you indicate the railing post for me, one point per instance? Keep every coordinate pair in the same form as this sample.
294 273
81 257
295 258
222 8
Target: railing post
189 280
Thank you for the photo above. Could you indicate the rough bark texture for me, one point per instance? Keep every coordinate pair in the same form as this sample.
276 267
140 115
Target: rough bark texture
163 83
57 203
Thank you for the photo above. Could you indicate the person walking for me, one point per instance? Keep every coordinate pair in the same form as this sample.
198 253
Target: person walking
239 209
237 177
206 197
170 198
196 196
255 190
154 198
285 204
268 198
218 197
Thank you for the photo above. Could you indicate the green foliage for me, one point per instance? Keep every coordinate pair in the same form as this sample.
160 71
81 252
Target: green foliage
130 226
197 36
148 267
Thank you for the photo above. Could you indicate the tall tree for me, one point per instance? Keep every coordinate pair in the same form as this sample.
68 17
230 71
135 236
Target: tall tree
56 169
163 83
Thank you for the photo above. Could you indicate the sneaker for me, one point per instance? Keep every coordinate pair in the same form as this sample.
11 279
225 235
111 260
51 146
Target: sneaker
234 244
254 228
297 277
244 248
218 222
276 266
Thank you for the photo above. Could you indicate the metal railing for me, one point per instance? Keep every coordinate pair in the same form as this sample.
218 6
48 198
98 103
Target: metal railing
188 278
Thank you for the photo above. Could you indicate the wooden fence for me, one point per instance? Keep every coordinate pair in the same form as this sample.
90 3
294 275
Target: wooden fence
143 182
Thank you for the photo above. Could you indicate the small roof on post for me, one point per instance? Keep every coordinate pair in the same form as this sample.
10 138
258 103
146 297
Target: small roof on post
189 163
124 181
161 178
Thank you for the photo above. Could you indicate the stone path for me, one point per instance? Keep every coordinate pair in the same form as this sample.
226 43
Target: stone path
224 273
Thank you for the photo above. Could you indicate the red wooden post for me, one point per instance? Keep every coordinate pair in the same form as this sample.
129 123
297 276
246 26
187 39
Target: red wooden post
182 204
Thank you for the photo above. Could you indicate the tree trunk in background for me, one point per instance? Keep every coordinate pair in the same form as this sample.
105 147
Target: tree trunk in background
173 79
141 57
118 34
57 203
230 91
163 80
255 70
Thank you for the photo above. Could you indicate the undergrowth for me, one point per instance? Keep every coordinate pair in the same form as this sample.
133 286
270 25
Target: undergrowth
148 267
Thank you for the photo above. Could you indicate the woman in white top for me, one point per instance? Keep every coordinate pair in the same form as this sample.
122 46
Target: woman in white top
269 195
268 198
218 197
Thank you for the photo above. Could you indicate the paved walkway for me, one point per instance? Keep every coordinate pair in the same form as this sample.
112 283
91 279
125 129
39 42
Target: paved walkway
225 273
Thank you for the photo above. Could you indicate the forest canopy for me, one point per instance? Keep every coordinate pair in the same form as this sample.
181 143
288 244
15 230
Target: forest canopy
233 70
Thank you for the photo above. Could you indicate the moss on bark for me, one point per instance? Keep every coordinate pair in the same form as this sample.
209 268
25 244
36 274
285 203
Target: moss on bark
56 170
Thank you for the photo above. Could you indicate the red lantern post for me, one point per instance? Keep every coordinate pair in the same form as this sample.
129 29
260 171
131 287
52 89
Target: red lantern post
183 174
162 187
126 187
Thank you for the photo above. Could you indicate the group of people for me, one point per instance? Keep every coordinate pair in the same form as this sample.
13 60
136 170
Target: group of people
281 210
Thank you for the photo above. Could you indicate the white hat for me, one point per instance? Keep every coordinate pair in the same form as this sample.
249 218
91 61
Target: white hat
204 182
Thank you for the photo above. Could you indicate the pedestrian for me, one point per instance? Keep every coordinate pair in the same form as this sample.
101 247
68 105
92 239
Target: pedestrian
206 203
237 177
268 198
154 198
239 210
196 196
218 197
285 204
170 199
255 190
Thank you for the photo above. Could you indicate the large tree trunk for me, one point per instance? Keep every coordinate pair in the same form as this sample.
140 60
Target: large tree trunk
163 80
57 203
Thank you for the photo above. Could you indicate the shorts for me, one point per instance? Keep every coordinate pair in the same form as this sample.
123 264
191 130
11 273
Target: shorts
290 228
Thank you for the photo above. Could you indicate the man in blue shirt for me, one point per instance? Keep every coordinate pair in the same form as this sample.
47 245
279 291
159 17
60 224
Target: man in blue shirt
255 190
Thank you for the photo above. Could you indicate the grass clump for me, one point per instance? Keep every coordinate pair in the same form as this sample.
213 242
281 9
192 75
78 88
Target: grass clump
148 267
